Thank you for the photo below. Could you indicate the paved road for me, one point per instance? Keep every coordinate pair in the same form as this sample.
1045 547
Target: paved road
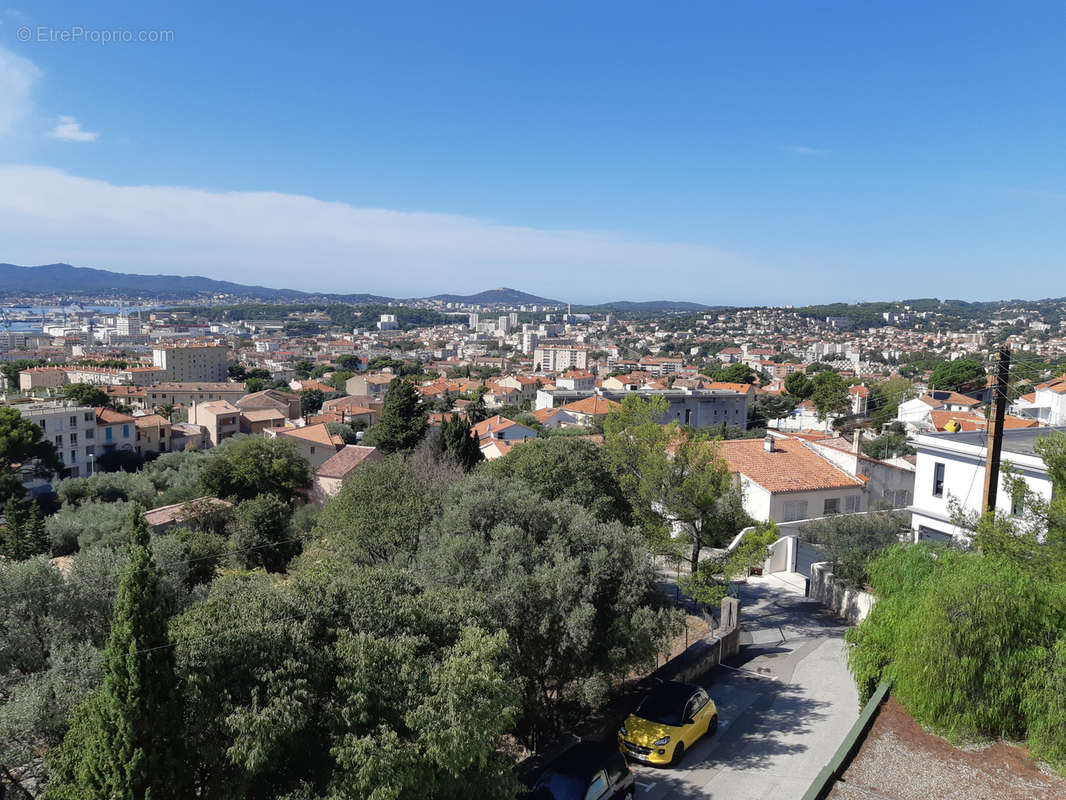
785 703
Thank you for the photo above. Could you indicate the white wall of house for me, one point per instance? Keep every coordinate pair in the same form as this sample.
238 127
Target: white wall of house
887 484
963 480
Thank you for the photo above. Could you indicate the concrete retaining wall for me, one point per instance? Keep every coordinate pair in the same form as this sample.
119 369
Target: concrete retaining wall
851 604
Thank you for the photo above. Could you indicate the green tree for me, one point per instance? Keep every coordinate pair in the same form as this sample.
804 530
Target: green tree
575 596
344 681
403 420
710 583
87 395
888 445
125 742
260 533
829 394
736 373
562 468
459 444
245 467
476 411
339 378
166 411
379 517
851 540
768 407
311 401
23 534
22 446
694 494
799 385
960 375
349 362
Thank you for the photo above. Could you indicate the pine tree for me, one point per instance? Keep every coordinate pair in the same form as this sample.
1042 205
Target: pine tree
125 742
403 420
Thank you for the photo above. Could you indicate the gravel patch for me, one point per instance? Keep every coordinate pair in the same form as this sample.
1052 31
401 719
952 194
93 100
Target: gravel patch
900 761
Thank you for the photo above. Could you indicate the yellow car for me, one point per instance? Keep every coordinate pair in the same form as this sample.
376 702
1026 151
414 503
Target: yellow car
669 719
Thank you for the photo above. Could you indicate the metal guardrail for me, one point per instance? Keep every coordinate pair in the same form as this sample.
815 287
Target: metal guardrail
827 777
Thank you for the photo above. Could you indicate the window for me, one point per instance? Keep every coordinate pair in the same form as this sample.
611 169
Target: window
938 479
90 434
73 456
90 416
74 422
831 506
59 440
90 451
107 434
851 504
598 787
125 431
73 438
795 509
44 426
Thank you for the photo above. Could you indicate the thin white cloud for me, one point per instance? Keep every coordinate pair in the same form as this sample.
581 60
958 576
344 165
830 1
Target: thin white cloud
803 150
15 14
300 242
69 130
17 78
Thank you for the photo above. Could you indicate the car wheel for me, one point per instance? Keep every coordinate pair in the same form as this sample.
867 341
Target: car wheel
679 751
712 727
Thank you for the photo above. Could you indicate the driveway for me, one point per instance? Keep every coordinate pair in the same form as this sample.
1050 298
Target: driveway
785 703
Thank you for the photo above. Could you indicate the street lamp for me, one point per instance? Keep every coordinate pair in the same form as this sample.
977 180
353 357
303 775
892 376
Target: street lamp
91 464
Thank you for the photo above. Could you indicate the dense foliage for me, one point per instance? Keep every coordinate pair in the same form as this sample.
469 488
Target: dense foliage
973 639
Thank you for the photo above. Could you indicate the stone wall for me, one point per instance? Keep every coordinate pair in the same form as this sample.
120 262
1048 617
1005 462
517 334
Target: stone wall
851 604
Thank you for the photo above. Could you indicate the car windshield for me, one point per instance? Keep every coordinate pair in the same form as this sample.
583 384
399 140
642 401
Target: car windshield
662 707
560 787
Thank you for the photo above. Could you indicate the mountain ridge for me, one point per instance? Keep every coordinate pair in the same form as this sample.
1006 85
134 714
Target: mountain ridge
45 278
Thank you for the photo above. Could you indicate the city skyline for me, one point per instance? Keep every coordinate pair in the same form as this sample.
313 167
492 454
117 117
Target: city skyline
725 156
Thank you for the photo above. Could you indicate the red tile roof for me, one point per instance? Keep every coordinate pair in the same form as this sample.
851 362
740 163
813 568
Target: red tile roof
792 467
347 458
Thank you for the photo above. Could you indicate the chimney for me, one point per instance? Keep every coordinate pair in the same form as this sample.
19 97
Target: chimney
856 441
768 443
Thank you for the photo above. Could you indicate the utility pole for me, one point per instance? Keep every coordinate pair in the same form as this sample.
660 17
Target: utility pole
995 430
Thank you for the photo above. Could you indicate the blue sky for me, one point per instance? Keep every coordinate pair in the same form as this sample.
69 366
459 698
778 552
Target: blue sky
749 152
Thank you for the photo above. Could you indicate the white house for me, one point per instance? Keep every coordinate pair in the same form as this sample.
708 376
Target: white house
951 470
1047 404
784 479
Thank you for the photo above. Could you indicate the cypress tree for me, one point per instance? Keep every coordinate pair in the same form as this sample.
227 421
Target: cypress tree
403 421
460 445
23 535
125 742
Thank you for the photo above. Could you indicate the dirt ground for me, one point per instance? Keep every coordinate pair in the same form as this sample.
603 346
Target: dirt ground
900 761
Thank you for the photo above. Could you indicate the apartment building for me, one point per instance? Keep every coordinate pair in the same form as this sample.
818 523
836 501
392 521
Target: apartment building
153 434
220 418
115 431
71 428
192 362
559 358
185 394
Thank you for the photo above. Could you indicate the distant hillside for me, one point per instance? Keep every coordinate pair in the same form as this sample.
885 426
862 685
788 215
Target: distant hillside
53 278
500 295
655 305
